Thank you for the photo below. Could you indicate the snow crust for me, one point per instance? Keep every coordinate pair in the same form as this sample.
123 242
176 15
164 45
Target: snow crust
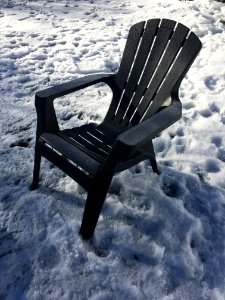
158 237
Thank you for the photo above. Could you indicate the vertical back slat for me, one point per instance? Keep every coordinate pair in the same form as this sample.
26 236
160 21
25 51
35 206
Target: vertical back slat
133 40
129 53
163 35
180 67
177 40
139 63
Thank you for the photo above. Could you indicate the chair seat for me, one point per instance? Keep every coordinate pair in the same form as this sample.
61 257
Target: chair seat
70 152
96 142
91 139
86 146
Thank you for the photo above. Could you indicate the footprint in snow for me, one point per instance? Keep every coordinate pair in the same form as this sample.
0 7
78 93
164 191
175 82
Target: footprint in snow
216 140
180 131
223 119
211 82
11 34
214 108
188 105
206 113
180 144
221 154
48 257
171 187
211 166
21 143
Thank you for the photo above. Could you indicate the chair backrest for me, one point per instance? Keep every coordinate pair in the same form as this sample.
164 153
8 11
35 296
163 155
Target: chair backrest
157 55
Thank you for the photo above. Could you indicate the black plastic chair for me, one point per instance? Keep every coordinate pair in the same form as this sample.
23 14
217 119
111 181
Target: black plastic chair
157 55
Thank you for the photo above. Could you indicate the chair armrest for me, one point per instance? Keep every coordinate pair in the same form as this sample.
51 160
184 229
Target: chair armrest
73 85
46 117
138 135
130 140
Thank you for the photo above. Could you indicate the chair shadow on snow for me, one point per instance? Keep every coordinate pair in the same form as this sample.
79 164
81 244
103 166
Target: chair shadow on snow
15 265
188 219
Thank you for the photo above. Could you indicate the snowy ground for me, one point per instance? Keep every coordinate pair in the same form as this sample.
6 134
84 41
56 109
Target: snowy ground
158 237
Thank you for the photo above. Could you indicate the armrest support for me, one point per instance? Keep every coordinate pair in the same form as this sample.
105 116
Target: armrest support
46 117
151 127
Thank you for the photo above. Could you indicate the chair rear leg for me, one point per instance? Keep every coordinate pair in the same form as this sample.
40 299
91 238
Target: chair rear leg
93 207
149 147
37 162
154 165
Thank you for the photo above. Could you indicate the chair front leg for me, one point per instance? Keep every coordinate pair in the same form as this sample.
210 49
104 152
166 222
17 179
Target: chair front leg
95 200
36 172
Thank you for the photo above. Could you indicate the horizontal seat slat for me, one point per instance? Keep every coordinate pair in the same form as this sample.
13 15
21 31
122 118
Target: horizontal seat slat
71 152
75 173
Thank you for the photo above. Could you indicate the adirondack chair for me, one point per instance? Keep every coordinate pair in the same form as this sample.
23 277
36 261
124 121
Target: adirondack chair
157 55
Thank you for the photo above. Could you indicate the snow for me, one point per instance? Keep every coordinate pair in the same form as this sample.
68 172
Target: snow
158 237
